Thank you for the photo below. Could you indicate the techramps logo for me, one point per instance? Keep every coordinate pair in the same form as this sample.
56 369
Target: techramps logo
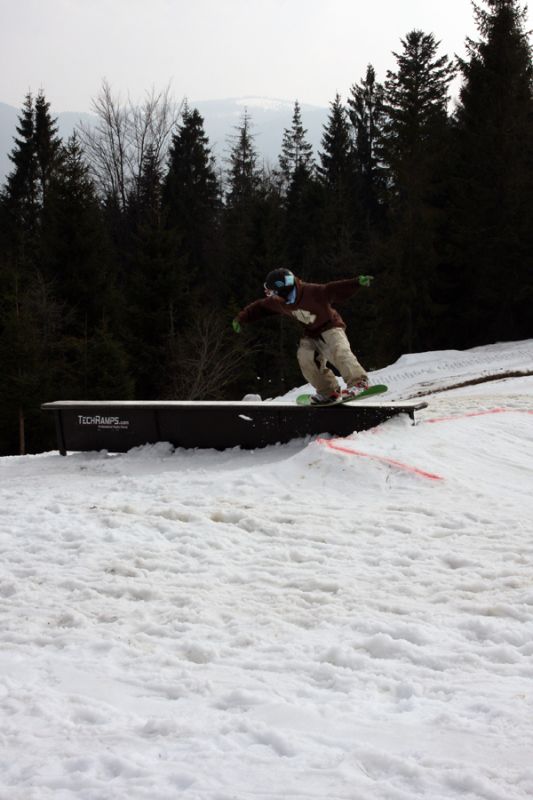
103 423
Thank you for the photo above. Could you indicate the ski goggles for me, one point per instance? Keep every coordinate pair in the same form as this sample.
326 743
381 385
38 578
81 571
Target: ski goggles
287 282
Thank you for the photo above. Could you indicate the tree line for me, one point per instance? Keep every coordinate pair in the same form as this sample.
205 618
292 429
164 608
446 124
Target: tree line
126 251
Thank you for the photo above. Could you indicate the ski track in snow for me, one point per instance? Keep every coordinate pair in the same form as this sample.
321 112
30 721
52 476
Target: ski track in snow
294 622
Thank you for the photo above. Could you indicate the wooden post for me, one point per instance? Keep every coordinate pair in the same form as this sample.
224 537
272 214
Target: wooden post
22 434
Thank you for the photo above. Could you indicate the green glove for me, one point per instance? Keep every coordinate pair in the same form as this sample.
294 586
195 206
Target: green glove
365 280
236 326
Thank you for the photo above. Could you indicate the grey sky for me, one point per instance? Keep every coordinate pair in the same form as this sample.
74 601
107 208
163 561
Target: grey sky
210 49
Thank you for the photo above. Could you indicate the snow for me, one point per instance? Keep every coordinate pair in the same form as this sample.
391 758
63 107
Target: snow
321 619
264 103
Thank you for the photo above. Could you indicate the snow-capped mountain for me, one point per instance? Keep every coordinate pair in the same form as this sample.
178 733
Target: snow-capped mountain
269 118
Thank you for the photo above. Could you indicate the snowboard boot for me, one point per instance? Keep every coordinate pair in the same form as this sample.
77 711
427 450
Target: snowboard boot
319 399
357 388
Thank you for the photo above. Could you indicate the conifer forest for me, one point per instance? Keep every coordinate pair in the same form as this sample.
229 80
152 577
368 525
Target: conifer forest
127 250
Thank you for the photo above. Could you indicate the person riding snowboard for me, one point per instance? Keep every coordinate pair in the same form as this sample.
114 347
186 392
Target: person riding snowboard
324 338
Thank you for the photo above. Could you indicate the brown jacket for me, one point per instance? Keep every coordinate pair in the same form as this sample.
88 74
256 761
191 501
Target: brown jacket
312 306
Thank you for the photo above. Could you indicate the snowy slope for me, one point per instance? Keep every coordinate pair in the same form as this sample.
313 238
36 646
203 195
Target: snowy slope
326 619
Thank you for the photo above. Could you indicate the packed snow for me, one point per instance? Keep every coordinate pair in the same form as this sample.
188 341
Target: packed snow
337 619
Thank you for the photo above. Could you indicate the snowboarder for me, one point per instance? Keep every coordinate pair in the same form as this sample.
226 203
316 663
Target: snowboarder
324 338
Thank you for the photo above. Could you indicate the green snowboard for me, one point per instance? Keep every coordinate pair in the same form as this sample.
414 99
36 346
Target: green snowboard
305 399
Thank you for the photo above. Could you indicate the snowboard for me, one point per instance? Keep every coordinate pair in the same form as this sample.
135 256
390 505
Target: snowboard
379 388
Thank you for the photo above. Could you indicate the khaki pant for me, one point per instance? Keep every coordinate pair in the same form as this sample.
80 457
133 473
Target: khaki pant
332 346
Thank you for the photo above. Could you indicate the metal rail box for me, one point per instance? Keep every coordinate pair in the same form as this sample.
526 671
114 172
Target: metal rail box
118 426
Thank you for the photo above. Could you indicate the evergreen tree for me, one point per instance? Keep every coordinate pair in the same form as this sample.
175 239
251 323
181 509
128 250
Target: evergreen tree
413 148
31 328
244 180
77 252
492 233
339 213
191 197
244 176
47 145
298 171
336 157
74 252
365 110
415 104
54 278
253 245
156 283
302 223
20 195
147 200
35 157
21 182
296 152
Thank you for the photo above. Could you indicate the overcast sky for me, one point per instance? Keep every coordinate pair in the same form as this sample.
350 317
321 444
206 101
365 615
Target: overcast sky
210 49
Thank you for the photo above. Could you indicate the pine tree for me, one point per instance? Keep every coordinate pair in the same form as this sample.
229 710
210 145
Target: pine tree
35 157
252 230
242 273
20 195
336 157
413 148
365 110
148 198
244 176
74 248
55 282
339 212
192 205
298 173
296 152
191 176
21 181
76 258
47 145
492 233
191 197
156 283
31 331
416 100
